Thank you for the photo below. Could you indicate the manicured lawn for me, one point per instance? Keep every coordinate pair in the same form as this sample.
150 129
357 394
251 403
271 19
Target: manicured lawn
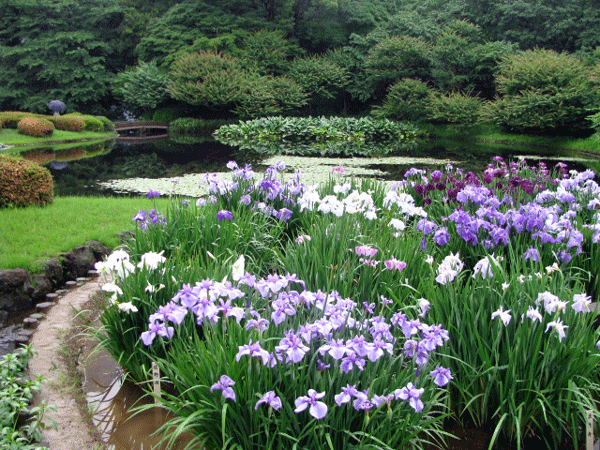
28 235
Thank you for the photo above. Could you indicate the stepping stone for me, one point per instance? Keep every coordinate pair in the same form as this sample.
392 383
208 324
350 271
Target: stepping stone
37 316
26 332
21 339
71 284
82 279
93 273
61 292
30 323
52 297
44 305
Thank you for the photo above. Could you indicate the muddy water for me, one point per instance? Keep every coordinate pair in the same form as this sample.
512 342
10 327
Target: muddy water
111 400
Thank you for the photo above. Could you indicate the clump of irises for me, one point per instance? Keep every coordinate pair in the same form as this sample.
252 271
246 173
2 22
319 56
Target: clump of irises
504 264
307 357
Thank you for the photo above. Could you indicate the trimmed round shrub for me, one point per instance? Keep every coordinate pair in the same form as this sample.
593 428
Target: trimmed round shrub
93 124
68 123
12 118
24 183
106 122
35 126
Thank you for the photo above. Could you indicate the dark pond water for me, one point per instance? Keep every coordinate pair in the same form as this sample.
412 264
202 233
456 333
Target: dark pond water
77 171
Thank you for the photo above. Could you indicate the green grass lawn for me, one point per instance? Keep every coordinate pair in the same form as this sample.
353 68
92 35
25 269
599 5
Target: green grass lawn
29 235
10 136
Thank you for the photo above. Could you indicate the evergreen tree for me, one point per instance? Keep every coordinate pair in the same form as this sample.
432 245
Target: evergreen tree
57 49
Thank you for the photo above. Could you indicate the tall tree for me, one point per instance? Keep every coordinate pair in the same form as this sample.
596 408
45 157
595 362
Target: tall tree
191 21
560 25
57 49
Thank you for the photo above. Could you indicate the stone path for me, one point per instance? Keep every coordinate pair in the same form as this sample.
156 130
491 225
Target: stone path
74 431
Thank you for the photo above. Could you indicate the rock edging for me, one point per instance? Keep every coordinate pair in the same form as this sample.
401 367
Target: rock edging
21 291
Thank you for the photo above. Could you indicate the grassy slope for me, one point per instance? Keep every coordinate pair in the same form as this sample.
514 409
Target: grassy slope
13 137
35 234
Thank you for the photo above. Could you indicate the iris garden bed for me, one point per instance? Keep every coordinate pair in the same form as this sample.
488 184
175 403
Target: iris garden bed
357 315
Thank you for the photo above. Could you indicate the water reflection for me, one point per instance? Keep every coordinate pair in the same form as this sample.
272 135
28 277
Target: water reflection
167 158
111 399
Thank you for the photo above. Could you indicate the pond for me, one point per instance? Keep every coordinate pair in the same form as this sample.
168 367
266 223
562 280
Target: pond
117 168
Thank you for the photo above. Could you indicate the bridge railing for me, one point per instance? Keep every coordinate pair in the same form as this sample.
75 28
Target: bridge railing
139 124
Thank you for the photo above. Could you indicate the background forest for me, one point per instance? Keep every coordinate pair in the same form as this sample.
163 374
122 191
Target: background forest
515 62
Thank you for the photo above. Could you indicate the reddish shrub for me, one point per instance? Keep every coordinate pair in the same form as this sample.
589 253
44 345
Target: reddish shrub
12 118
24 183
34 126
68 123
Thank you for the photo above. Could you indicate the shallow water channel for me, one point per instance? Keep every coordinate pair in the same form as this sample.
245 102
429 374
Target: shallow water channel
111 399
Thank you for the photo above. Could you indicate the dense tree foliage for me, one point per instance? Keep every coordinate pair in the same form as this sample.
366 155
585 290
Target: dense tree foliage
143 87
266 52
276 56
541 90
57 49
195 20
208 78
395 58
321 78
561 25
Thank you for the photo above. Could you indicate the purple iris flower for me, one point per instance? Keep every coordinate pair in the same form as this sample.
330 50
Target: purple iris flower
346 395
441 376
412 394
426 226
441 236
532 254
352 360
283 214
171 312
336 349
224 384
224 214
317 409
253 350
187 296
140 216
293 347
156 329
270 399
152 193
436 176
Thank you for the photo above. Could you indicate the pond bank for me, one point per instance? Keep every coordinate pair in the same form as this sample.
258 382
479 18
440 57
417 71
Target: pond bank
12 138
62 142
588 146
